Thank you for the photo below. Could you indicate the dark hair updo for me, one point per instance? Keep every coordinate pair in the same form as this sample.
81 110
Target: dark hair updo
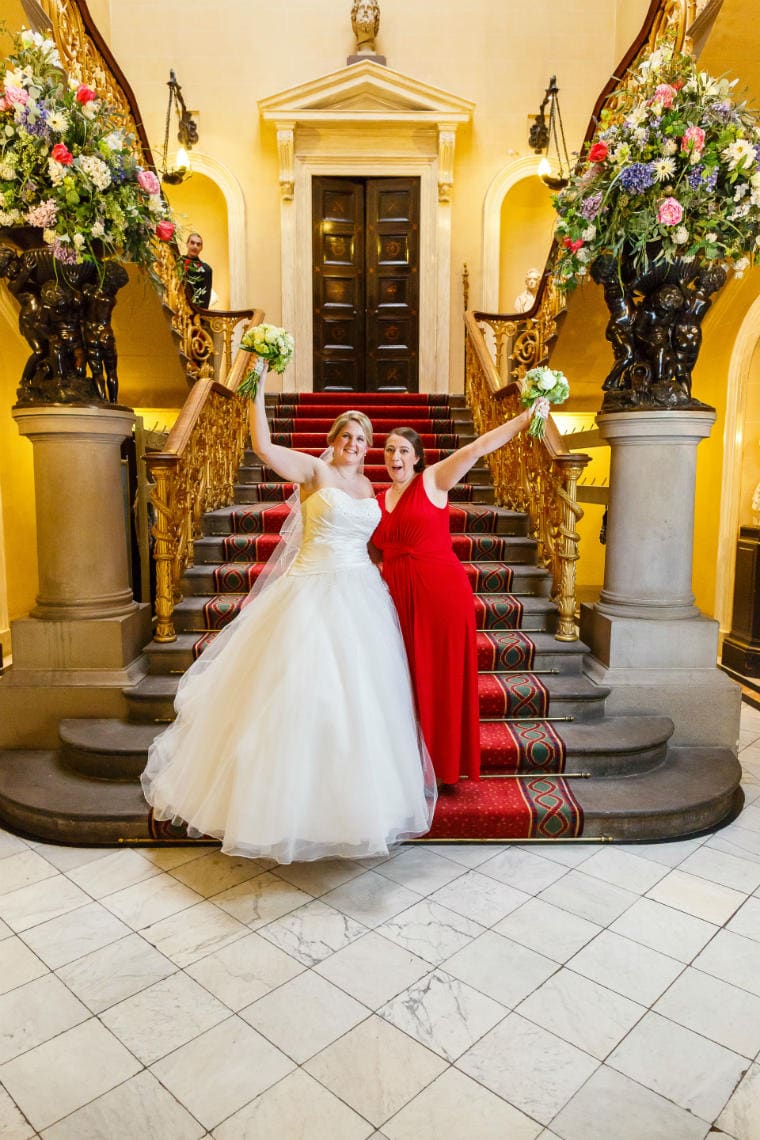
411 436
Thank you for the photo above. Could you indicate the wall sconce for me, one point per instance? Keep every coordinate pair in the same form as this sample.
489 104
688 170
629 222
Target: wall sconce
187 135
544 133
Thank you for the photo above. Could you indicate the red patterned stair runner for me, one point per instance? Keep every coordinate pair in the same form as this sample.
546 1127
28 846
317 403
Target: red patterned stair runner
541 804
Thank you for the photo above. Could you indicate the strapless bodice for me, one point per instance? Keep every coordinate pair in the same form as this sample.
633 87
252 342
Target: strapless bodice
336 530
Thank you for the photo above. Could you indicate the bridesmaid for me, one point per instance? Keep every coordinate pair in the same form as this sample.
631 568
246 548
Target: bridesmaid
432 593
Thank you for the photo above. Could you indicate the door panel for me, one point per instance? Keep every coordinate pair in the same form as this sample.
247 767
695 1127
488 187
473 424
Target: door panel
366 284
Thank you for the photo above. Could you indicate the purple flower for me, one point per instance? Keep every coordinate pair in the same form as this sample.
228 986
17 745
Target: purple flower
64 253
711 180
637 177
694 177
590 206
34 123
723 111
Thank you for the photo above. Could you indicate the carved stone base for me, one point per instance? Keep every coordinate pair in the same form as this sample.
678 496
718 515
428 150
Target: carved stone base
362 57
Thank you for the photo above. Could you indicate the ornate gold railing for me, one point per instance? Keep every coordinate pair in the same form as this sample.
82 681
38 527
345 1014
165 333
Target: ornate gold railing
195 473
538 478
85 53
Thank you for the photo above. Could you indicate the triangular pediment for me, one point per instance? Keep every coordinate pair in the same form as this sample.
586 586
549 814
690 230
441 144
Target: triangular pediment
365 91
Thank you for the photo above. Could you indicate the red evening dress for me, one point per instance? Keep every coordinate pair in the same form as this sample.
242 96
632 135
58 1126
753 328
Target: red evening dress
435 607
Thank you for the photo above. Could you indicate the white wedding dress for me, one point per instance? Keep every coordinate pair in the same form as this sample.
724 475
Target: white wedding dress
296 737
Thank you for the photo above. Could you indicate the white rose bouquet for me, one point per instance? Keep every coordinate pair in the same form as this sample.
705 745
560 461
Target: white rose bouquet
542 387
273 347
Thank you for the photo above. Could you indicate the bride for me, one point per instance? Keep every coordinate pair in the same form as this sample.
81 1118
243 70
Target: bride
295 736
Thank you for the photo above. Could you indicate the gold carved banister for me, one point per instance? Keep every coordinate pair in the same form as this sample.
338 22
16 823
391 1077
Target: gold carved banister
538 478
194 474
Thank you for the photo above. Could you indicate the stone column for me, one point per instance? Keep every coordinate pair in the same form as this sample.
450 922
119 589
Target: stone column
648 640
81 537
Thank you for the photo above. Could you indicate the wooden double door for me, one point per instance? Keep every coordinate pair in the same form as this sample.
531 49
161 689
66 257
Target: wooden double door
366 284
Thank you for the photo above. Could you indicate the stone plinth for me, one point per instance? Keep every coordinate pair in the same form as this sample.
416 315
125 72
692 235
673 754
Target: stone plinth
648 640
81 535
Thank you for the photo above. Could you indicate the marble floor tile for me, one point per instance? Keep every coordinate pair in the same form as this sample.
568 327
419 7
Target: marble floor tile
688 1069
746 921
13 1124
297 1106
728 870
697 896
193 933
624 869
147 902
582 1012
116 871
18 965
589 898
10 844
22 869
662 928
528 1066
167 858
5 931
161 1018
261 900
456 1106
138 1108
313 932
670 854
67 858
480 897
56 1078
421 870
321 876
737 840
371 898
430 931
222 1070
524 870
35 1012
373 970
568 854
244 971
467 854
71 936
741 1116
376 1069
500 968
732 958
715 1009
215 872
115 972
443 1014
611 1105
626 967
40 902
550 931
750 816
324 1014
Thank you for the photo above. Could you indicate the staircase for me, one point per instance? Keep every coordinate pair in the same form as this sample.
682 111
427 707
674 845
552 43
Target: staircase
555 766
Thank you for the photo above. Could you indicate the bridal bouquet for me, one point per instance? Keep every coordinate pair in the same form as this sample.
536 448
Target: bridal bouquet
273 346
542 387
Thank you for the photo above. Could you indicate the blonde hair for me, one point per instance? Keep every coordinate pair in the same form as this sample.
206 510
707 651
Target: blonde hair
345 418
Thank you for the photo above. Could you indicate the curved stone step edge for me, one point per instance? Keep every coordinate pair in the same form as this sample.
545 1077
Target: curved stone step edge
693 790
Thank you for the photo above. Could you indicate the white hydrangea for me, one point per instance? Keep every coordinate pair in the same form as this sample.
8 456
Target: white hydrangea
680 235
98 230
589 233
10 217
79 242
740 265
95 169
56 172
7 170
155 204
670 146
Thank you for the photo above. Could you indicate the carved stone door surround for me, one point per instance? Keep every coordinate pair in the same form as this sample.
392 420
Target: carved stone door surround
367 120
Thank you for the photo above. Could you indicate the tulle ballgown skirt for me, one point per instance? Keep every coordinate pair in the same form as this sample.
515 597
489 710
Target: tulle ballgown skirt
299 740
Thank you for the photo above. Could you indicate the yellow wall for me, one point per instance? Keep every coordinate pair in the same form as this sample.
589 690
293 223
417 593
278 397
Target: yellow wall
751 445
527 226
199 204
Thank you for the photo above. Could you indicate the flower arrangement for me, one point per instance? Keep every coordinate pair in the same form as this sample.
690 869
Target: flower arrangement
68 166
542 387
273 347
672 174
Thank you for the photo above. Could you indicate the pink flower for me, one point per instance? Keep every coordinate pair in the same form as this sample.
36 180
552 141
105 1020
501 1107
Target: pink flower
693 140
148 182
670 212
165 231
16 96
84 94
62 154
665 94
598 152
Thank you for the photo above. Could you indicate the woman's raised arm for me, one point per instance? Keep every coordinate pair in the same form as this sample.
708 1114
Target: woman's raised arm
449 471
289 464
